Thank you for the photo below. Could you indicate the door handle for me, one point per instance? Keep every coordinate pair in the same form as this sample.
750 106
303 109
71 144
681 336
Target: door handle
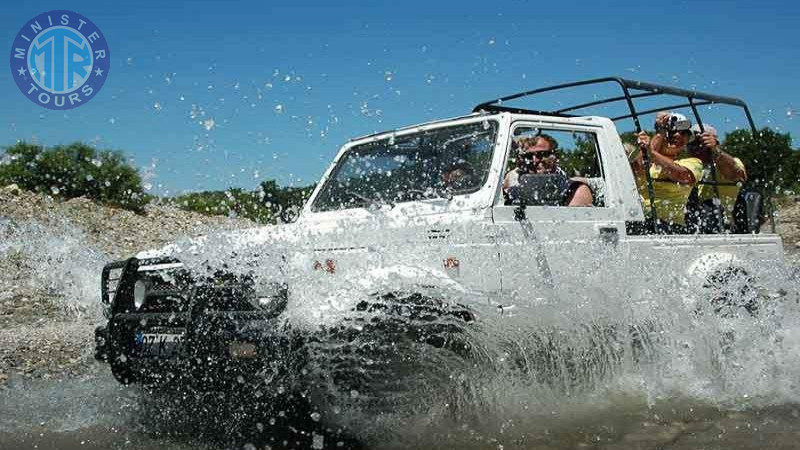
609 235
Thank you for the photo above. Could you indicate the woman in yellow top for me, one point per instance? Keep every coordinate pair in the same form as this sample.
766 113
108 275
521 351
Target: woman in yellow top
673 179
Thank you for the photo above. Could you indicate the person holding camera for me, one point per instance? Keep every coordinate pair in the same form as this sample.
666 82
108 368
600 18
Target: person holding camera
673 178
730 171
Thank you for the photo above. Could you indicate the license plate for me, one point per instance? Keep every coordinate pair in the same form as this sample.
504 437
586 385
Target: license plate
158 345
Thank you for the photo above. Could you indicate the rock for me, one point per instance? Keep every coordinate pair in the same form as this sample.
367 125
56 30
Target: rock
39 335
12 189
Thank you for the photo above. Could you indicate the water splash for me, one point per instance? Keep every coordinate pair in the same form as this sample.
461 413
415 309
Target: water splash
55 259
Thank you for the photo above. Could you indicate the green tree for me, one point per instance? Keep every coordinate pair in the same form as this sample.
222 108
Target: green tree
269 203
74 170
771 162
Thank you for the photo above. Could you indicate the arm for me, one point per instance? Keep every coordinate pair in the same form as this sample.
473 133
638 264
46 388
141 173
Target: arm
727 167
674 172
581 197
670 170
726 164
507 181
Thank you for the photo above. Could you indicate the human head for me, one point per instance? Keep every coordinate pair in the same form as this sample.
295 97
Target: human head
538 154
457 175
677 128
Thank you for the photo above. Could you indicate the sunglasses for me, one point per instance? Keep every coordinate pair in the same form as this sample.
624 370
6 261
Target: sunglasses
530 156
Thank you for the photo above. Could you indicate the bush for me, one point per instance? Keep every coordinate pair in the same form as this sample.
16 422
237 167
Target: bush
771 163
268 204
75 170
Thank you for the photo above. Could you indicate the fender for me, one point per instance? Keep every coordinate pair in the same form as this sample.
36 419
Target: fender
324 304
711 263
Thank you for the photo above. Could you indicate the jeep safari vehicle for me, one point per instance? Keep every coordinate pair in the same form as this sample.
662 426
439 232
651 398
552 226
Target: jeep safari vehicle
409 243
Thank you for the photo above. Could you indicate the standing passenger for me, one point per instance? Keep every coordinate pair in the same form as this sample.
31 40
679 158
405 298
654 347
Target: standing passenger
673 179
730 171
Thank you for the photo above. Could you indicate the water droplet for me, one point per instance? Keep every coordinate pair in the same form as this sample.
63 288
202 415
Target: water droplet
315 416
278 109
55 190
317 441
209 124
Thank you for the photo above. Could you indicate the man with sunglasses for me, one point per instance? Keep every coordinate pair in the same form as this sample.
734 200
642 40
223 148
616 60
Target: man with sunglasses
538 156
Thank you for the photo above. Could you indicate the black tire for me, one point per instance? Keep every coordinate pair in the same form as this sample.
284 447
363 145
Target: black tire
391 359
733 291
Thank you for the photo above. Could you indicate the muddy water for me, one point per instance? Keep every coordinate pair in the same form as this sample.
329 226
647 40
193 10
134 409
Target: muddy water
92 411
694 388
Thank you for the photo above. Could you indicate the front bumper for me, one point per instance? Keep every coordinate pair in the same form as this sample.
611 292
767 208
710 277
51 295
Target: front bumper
212 335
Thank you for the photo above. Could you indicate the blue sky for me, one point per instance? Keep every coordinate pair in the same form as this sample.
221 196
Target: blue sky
206 95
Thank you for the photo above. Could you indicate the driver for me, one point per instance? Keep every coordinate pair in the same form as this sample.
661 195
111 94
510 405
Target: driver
458 176
538 155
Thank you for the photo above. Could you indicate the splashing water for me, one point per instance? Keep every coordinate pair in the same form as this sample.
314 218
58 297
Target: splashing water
591 356
612 348
53 259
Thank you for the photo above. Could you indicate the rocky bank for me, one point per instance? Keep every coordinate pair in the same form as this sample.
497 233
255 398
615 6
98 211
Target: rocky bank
48 293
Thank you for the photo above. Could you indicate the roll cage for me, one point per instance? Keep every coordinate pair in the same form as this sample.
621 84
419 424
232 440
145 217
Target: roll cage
633 90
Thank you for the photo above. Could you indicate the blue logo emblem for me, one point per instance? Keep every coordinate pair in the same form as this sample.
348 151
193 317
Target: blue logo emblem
60 59
138 341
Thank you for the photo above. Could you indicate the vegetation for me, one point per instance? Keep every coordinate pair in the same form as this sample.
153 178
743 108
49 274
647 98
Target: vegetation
80 170
74 170
770 160
269 203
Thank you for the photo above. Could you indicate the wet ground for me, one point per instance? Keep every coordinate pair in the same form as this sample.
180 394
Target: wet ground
92 411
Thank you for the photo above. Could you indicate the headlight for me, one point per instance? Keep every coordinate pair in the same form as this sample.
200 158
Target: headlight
269 296
139 293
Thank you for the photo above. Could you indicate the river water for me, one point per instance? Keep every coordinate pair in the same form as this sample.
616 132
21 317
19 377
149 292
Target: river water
585 379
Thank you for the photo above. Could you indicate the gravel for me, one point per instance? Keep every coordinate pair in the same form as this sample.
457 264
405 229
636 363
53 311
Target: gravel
51 251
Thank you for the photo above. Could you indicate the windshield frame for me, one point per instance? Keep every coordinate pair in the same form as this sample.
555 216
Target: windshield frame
346 150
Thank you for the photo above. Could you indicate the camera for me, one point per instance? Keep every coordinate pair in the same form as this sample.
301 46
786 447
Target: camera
675 123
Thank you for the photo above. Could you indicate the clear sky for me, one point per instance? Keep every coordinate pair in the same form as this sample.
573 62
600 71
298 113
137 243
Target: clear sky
207 95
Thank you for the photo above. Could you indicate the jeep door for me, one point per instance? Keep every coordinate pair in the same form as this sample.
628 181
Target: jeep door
552 250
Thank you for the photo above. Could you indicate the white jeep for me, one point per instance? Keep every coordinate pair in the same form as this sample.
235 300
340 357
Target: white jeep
409 242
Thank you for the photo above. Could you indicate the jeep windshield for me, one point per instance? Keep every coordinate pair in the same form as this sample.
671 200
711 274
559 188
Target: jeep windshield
438 163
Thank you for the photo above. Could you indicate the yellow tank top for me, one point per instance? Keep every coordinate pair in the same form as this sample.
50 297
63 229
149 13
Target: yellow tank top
728 192
670 196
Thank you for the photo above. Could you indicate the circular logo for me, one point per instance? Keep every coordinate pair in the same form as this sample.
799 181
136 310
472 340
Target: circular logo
60 59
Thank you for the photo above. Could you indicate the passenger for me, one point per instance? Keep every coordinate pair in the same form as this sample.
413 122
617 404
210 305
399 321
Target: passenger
458 176
538 155
673 179
730 171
